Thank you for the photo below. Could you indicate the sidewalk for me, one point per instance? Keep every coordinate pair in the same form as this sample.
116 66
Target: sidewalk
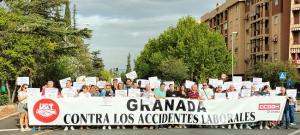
7 110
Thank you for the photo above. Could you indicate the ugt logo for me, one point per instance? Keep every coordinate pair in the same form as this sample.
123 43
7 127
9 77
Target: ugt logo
46 110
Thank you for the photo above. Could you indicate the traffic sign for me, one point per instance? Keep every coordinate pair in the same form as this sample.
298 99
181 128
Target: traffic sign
282 75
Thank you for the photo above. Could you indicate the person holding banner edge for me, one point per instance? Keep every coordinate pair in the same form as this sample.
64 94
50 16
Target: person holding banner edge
22 107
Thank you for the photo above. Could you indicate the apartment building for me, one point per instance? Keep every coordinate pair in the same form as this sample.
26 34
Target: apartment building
258 30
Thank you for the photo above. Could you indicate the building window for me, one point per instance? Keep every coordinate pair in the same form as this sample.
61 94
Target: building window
276 2
275 19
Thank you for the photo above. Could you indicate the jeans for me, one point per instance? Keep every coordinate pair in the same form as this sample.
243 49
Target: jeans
285 117
292 113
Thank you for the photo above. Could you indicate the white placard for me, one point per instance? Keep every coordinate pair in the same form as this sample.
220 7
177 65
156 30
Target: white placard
120 93
220 95
22 80
189 84
144 82
91 81
51 92
34 92
291 93
134 93
154 82
81 79
63 82
257 80
245 92
233 95
220 83
247 84
226 85
68 92
78 85
101 84
277 89
131 75
273 93
237 79
213 82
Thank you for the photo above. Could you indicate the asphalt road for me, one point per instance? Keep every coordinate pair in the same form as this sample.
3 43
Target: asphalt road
10 124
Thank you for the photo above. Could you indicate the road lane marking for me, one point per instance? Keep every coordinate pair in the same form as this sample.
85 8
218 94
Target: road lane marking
295 132
5 130
45 132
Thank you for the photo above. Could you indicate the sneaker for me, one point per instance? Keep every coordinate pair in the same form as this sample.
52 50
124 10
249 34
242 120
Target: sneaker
229 126
151 127
118 127
27 129
109 127
134 127
293 124
223 126
104 127
248 127
234 126
260 127
241 126
169 126
22 130
176 127
66 129
123 127
183 126
216 126
266 127
72 128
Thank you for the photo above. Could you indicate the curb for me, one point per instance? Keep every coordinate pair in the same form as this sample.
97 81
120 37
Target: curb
9 116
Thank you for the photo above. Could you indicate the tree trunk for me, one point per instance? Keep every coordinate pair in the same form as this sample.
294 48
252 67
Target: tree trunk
8 92
14 93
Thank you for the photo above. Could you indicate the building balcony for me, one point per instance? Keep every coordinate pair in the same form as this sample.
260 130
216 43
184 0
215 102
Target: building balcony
295 27
295 7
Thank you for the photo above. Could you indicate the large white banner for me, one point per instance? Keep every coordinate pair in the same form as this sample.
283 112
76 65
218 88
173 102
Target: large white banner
148 111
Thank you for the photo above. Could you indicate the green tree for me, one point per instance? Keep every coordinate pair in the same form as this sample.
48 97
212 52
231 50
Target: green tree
202 51
269 71
173 69
128 66
37 41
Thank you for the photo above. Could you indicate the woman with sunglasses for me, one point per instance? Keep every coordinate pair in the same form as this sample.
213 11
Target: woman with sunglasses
22 106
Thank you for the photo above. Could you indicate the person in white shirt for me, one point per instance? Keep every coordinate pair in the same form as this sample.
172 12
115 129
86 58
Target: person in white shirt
69 92
85 92
206 92
22 106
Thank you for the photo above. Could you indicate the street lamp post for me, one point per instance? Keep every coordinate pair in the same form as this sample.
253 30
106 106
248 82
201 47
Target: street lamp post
233 33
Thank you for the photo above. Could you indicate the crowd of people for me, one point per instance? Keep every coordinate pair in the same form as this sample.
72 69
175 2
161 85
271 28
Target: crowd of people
207 92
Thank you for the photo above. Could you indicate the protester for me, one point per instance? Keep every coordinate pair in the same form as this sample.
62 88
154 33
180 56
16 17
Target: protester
194 94
292 110
171 92
265 92
160 92
182 91
50 84
285 116
23 109
148 94
206 92
128 84
120 86
107 92
231 89
114 85
84 94
94 91
69 92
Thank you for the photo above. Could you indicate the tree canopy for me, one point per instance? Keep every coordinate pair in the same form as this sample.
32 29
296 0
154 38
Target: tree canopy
38 40
189 47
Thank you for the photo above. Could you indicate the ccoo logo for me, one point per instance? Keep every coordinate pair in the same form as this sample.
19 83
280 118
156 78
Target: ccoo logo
46 110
